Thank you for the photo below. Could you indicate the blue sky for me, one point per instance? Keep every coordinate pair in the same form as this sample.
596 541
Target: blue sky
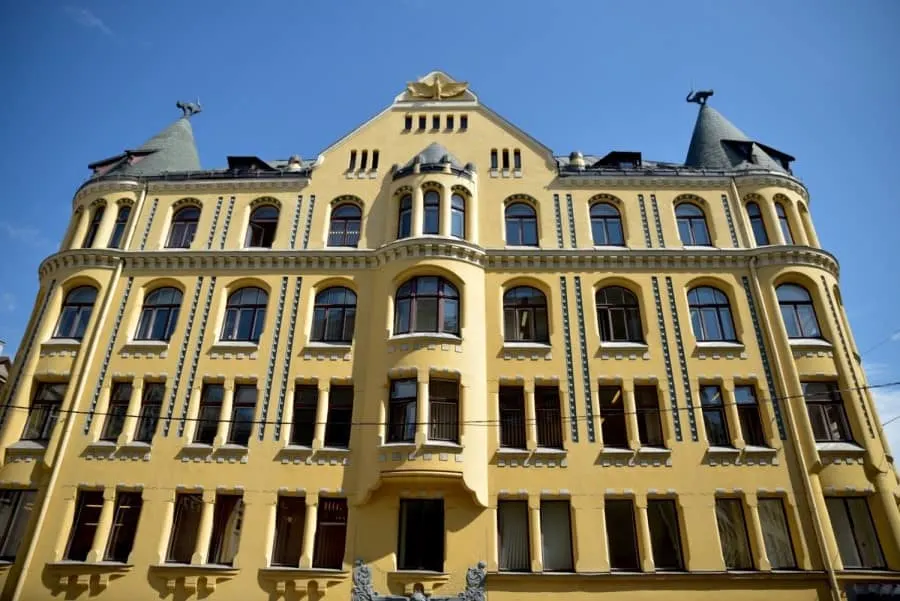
818 79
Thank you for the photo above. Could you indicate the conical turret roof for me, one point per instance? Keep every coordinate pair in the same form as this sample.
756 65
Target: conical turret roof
435 153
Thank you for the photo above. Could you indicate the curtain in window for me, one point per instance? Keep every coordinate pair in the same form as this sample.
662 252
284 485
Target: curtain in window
512 530
776 534
226 529
733 534
556 536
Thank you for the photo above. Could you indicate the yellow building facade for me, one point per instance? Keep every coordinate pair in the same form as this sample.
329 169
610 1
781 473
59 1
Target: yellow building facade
440 361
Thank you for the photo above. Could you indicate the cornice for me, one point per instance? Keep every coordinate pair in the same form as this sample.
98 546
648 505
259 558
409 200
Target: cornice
103 187
188 261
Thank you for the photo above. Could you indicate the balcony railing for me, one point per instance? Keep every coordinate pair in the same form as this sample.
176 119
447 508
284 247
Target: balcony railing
444 421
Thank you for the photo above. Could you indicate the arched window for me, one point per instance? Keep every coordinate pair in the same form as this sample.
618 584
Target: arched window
711 315
432 223
521 225
692 225
757 224
245 315
404 220
784 223
262 226
115 241
76 312
426 304
606 225
525 315
458 216
334 315
159 314
94 226
184 226
619 315
797 311
345 225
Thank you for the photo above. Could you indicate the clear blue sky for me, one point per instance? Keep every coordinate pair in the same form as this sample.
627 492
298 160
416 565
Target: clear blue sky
818 79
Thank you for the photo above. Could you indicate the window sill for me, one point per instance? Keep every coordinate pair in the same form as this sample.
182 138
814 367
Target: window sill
83 572
429 336
751 449
510 452
397 446
144 345
60 344
28 445
810 343
610 247
234 346
188 576
442 445
715 450
658 451
619 451
622 346
101 444
723 345
550 452
699 247
526 346
328 346
842 448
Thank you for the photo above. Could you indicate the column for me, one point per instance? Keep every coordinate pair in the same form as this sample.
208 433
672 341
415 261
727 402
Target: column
100 418
190 424
770 218
445 211
204 530
831 553
530 417
287 417
104 524
535 539
321 416
603 550
129 427
79 229
885 487
309 530
631 420
734 419
463 395
167 498
225 415
809 229
754 527
418 212
797 226
645 543
422 413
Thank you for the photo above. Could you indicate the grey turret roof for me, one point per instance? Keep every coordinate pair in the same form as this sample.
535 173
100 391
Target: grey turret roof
718 144
435 153
170 151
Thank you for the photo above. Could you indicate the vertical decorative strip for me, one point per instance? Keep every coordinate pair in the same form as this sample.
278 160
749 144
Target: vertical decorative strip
682 360
571 214
288 355
309 216
196 358
728 218
670 376
647 240
273 356
226 223
106 357
846 348
182 355
764 355
585 368
14 385
659 230
296 221
215 222
570 371
559 230
146 235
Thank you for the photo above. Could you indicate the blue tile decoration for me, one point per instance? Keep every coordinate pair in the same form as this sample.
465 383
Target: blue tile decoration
182 355
585 367
296 221
646 226
146 235
730 221
309 217
104 366
288 355
682 360
25 352
273 356
571 213
559 229
764 355
664 339
570 370
215 222
196 358
847 357
659 230
226 223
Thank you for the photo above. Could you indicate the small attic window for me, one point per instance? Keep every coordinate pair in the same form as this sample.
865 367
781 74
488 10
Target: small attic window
464 122
449 121
422 121
407 122
435 122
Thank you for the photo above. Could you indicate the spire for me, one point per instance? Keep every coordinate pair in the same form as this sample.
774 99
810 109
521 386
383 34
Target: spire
171 150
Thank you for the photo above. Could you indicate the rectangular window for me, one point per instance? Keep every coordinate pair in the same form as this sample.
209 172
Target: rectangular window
352 165
622 535
210 410
118 408
407 122
513 537
612 414
443 410
646 400
331 534
512 417
827 414
242 413
776 534
44 411
748 413
517 159
449 121
421 536
505 159
402 411
714 416
228 517
464 122
188 508
494 159
665 534
290 518
363 160
340 416
422 119
15 511
306 399
151 406
84 525
733 534
855 533
124 527
549 417
435 122
374 161
556 536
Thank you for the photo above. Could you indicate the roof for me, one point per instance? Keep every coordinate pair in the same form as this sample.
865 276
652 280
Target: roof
434 154
717 144
171 150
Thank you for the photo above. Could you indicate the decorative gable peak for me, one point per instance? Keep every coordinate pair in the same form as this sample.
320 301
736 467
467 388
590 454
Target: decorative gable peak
436 87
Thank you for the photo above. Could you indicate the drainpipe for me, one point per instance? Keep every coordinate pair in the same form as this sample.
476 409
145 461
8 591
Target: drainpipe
795 438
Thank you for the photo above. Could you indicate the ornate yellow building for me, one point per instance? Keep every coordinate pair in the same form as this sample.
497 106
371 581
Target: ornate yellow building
440 361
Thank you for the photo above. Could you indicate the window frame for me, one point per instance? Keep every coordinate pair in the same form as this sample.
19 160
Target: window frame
287 544
149 404
404 216
339 418
519 215
692 224
613 422
855 531
348 216
820 407
712 403
757 223
431 212
49 408
443 397
117 410
118 233
12 531
649 414
303 421
506 559
211 398
546 532
239 427
721 306
606 223
227 528
262 227
323 308
548 415
420 545
153 310
792 311
126 519
615 511
235 308
526 301
188 511
445 295
85 521
784 223
75 315
183 228
749 415
457 215
90 235
331 518
402 430
768 532
743 541
627 312
675 545
511 409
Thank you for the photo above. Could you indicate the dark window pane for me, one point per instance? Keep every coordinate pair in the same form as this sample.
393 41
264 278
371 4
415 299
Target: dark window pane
620 530
665 535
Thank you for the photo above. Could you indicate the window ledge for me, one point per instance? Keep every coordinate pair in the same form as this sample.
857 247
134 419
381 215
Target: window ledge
334 450
550 452
27 445
189 576
699 247
233 346
724 345
610 247
442 445
714 450
286 577
616 451
144 345
431 336
654 451
624 345
751 449
510 452
846 448
328 346
410 578
818 343
397 446
101 444
523 346
84 572
135 444
61 344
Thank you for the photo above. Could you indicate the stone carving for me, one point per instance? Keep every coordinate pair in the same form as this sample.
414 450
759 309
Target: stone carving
438 89
475 582
362 586
362 583
189 108
699 97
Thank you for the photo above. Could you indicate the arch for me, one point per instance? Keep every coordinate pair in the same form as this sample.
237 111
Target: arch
432 185
125 201
525 315
521 197
187 202
265 200
245 314
123 215
618 314
97 202
694 199
797 311
607 228
247 282
457 189
77 306
427 303
98 208
520 218
334 315
711 315
431 209
693 226
756 218
345 224
184 225
263 224
159 313
347 198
